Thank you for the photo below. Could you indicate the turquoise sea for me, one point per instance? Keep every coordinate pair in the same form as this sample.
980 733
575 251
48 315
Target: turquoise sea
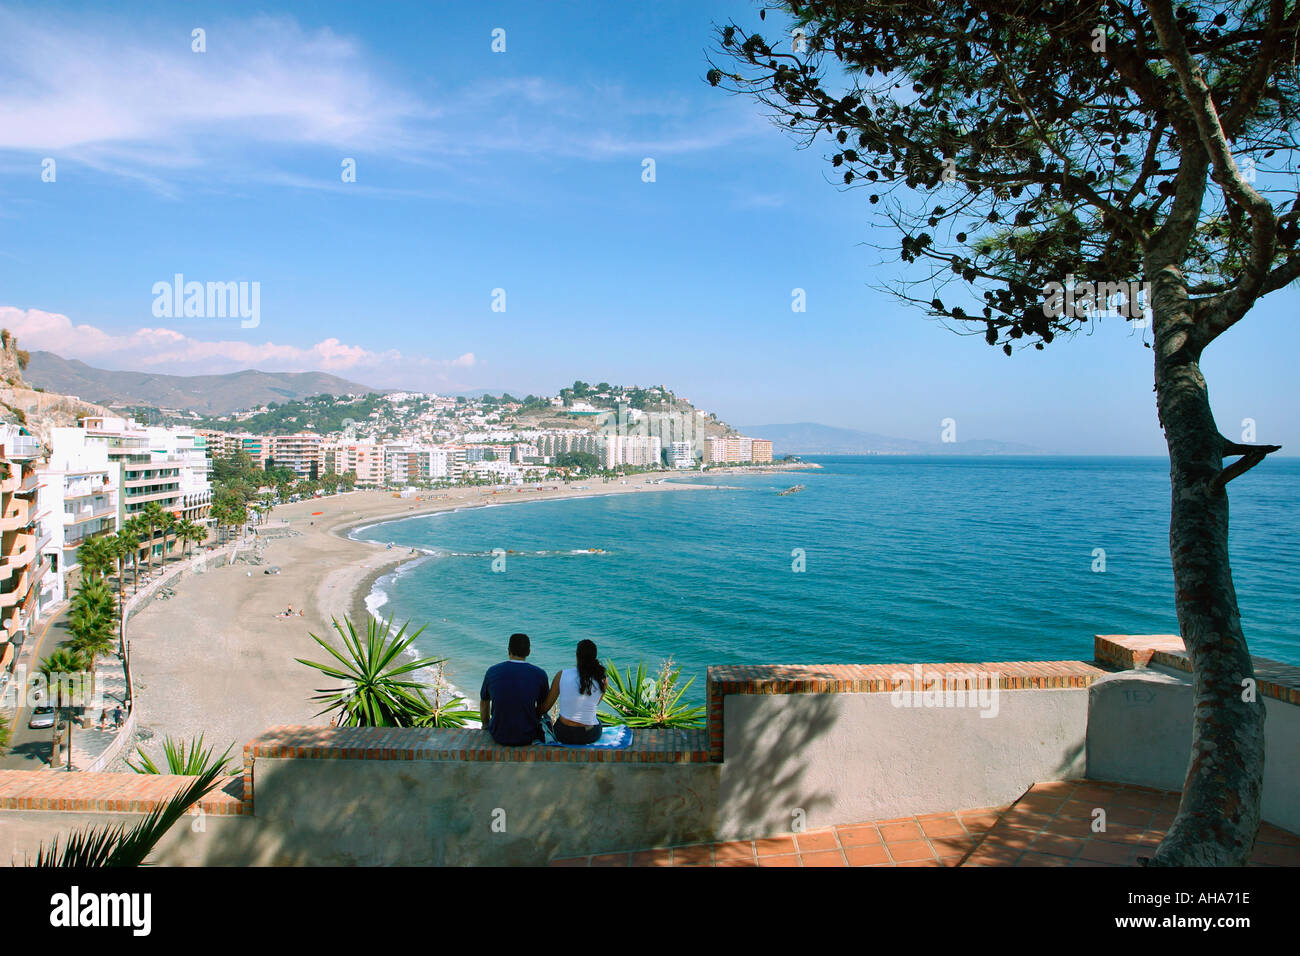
905 559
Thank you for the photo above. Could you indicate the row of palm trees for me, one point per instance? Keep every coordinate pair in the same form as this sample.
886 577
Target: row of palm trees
109 552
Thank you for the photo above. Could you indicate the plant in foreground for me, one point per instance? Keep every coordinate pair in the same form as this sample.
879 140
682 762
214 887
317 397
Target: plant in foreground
115 845
190 760
377 690
637 700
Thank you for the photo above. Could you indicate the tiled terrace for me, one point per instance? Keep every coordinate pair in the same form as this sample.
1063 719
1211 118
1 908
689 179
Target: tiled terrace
1051 825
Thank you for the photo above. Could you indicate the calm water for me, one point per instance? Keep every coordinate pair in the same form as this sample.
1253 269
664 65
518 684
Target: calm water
907 560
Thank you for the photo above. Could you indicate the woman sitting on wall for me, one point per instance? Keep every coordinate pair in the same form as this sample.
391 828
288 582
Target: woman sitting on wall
578 690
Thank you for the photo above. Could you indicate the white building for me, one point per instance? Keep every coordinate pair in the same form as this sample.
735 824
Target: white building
680 455
637 451
82 495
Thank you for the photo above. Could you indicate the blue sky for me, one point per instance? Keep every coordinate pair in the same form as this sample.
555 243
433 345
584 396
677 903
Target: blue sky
521 171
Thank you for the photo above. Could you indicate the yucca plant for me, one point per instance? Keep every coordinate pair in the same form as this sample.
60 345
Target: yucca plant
637 700
115 845
182 759
377 691
453 713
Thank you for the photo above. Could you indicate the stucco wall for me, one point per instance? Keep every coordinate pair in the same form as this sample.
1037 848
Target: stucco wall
848 758
1140 731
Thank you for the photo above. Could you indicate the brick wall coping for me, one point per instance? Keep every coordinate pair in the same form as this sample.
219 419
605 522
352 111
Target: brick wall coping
1129 651
438 743
885 678
105 792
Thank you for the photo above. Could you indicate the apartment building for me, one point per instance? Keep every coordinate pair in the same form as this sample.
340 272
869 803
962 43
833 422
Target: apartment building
560 443
681 455
737 449
24 534
223 444
637 451
82 496
300 452
166 465
363 459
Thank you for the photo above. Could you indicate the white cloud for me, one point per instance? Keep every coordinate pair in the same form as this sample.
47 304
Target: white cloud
138 103
171 352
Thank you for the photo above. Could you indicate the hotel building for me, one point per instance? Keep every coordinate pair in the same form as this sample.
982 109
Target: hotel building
737 449
82 496
300 452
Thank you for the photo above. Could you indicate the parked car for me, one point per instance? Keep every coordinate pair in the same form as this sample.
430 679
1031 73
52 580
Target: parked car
42 717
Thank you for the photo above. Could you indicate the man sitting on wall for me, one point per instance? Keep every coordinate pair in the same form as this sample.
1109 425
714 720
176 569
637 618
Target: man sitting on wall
511 697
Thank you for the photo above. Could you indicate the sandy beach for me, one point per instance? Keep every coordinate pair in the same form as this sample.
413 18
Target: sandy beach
218 660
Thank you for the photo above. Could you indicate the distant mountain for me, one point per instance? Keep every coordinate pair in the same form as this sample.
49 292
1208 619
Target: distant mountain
809 438
205 394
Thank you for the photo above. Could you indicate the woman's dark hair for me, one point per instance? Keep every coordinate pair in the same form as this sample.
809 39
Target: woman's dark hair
590 669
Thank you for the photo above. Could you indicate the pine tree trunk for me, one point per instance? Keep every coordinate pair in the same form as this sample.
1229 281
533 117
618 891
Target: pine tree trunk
1219 814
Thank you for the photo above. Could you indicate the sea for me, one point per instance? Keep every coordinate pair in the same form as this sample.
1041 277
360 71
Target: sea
876 559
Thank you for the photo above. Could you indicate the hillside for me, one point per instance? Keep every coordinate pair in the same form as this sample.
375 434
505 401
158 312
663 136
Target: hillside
205 394
810 438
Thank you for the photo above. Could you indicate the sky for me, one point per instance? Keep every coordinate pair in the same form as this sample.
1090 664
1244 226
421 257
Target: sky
521 171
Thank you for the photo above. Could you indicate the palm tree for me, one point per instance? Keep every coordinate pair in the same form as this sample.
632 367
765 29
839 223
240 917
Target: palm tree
109 845
121 545
188 760
63 670
153 515
375 692
92 618
96 556
192 532
135 530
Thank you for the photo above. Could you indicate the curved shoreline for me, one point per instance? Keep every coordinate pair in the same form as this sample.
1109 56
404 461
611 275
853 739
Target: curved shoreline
222 658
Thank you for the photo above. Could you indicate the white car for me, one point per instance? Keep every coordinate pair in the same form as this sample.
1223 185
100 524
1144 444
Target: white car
42 717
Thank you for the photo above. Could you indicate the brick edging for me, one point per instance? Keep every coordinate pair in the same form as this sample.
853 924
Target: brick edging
885 678
1137 651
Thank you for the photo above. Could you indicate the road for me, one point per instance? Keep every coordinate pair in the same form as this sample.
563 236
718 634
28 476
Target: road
30 749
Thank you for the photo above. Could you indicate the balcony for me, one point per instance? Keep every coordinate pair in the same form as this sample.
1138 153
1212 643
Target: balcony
22 447
17 516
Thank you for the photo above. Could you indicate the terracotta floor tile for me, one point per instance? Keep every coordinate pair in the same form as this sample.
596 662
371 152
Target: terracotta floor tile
816 840
1013 837
1129 816
570 861
868 855
903 830
1041 802
1043 859
771 846
823 858
979 820
1143 799
991 857
696 854
652 858
1060 788
1271 834
953 844
610 859
944 826
1107 852
1077 809
859 836
785 859
1276 855
1056 846
1118 833
930 862
907 850
731 852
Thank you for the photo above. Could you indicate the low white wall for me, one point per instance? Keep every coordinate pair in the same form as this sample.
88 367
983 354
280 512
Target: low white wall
1140 731
851 758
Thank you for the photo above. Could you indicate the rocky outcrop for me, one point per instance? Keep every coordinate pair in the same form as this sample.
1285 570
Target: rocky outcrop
38 411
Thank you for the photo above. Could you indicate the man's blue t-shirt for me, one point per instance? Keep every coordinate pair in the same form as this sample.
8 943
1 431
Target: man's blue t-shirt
516 689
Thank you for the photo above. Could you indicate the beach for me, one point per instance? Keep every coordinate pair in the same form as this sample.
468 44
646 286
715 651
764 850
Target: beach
217 659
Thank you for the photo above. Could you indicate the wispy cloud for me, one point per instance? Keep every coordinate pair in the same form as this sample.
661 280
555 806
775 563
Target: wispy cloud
173 352
137 102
